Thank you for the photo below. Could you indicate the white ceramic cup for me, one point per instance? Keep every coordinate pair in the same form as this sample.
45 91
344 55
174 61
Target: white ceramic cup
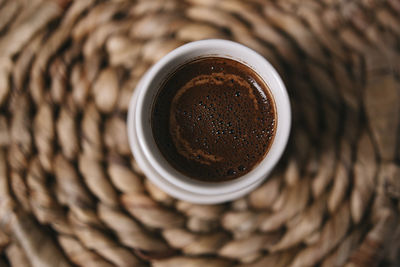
144 147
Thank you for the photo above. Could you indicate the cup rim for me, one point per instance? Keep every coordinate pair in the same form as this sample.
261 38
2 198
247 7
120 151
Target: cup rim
278 92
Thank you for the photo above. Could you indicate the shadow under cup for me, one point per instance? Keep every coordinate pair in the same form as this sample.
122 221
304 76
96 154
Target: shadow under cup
145 149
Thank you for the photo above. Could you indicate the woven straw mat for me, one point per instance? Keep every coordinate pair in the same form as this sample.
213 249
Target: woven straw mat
72 195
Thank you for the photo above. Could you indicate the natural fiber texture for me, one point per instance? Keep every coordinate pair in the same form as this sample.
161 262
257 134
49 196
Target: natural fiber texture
72 195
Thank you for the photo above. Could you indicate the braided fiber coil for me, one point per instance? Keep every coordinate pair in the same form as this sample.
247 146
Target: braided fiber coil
72 195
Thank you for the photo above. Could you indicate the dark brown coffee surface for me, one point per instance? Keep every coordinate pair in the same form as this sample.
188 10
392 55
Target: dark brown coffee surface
214 119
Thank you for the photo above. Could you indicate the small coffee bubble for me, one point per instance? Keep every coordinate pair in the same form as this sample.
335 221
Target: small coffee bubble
231 172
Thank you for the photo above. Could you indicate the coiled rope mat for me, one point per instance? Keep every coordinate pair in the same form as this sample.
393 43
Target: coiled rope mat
72 195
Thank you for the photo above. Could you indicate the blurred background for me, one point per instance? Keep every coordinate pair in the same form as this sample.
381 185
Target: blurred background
71 194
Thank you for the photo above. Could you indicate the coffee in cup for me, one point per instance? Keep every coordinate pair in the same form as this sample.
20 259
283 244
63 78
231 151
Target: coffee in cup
214 119
179 141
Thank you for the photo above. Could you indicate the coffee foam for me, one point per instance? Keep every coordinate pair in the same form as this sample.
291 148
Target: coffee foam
219 119
184 147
